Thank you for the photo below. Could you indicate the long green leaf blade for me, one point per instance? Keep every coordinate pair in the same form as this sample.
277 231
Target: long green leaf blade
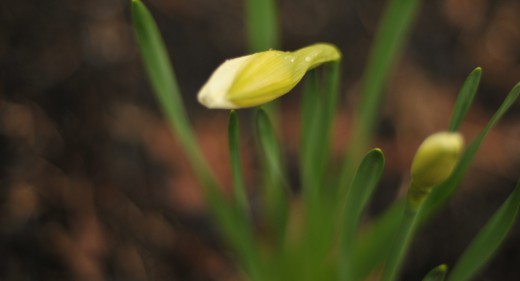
319 106
262 24
163 81
236 169
330 105
309 138
276 194
314 149
488 240
465 99
400 244
372 247
391 35
362 188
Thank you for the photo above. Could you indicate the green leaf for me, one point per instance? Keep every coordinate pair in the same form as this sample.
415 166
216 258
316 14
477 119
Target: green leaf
262 24
162 77
330 105
362 188
465 99
309 138
400 244
236 169
318 109
248 251
488 239
319 106
389 39
373 245
437 274
276 193
164 84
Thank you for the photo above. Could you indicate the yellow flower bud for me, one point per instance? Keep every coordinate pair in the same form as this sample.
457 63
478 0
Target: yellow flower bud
262 77
433 163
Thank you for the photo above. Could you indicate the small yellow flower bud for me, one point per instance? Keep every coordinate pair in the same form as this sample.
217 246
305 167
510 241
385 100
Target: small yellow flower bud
262 77
433 163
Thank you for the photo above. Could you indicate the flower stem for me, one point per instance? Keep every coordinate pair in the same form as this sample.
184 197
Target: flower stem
401 243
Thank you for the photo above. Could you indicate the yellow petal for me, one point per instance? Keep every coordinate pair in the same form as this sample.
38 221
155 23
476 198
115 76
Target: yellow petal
261 77
213 93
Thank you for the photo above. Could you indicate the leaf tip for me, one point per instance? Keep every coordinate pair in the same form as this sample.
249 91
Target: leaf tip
378 151
443 267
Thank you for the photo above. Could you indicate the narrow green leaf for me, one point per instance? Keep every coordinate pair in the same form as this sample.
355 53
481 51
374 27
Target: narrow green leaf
262 24
437 274
164 84
373 245
236 169
330 106
488 240
248 251
319 106
362 188
237 232
276 194
318 109
465 99
389 39
400 244
309 138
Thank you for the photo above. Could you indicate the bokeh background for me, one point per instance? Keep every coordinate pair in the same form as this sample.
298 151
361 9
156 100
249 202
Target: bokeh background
93 186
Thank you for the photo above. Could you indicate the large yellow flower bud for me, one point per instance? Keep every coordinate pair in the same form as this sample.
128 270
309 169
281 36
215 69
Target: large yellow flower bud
262 77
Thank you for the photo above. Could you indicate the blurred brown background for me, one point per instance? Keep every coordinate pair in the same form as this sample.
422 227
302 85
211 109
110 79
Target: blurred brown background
94 187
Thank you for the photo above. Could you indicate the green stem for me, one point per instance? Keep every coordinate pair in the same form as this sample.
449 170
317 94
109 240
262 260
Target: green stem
236 169
262 24
276 193
401 243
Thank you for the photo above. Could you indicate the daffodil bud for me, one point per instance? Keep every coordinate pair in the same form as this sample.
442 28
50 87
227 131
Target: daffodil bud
262 77
433 163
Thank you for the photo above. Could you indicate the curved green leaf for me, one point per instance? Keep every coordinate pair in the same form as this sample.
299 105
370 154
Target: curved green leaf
234 157
262 24
488 239
364 183
465 99
275 193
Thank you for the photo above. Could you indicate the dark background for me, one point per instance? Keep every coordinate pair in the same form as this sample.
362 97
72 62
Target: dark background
93 186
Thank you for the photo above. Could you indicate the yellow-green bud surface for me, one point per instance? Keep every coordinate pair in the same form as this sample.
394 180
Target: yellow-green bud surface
433 163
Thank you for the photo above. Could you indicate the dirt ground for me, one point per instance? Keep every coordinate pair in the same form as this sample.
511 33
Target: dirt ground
93 186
